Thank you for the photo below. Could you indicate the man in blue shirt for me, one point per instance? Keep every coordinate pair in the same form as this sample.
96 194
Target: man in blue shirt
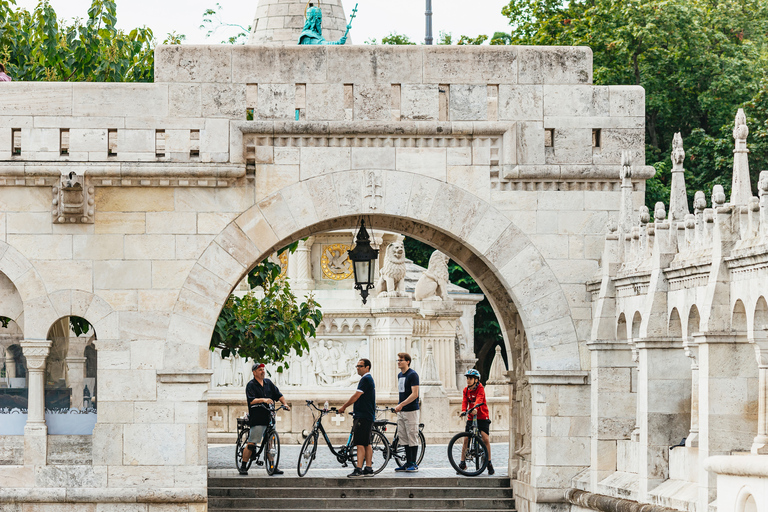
408 411
364 412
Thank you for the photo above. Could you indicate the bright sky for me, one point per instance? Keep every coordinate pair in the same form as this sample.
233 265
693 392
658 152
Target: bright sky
375 18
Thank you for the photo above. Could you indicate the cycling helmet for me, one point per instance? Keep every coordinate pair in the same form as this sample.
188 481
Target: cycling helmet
472 373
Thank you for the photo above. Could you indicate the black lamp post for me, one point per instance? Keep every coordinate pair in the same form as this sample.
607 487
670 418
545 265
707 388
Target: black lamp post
363 258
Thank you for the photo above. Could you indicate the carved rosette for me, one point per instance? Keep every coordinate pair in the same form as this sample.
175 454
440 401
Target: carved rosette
36 353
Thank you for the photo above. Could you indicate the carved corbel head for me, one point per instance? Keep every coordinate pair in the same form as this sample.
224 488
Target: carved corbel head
72 201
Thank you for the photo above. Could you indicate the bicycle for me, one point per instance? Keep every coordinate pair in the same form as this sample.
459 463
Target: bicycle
470 447
270 441
345 453
398 450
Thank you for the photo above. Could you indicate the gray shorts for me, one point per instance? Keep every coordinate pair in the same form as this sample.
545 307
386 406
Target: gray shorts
408 427
256 436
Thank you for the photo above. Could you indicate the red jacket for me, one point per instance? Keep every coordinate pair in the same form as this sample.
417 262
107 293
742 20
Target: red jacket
475 396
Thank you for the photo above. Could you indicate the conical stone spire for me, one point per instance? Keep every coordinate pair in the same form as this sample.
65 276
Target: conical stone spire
279 22
741 188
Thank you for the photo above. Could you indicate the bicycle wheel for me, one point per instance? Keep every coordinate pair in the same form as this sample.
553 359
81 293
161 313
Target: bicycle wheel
242 439
398 452
381 451
476 455
272 452
307 454
422 448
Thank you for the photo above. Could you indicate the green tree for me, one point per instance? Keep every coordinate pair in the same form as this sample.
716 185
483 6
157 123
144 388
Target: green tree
698 60
267 328
213 21
37 46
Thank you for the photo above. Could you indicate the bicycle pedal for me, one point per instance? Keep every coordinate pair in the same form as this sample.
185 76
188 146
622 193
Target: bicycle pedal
259 463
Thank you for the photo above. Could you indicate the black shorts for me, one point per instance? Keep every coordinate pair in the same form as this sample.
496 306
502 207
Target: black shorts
483 425
361 435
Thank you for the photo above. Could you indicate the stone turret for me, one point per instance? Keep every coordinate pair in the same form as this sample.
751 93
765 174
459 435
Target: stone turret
279 22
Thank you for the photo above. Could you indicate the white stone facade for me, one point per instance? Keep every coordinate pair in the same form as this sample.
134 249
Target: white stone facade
140 207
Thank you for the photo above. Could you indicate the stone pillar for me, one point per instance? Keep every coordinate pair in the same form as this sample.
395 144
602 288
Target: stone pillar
664 400
727 371
10 364
760 444
442 336
76 380
392 334
300 265
35 432
692 351
613 404
561 438
434 400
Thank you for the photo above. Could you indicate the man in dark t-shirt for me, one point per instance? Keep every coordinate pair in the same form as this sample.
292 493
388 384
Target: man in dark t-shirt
365 412
408 411
259 391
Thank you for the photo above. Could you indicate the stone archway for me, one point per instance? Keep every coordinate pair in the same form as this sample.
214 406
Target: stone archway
486 243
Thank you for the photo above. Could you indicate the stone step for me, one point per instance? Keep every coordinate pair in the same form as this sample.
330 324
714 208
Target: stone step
351 483
399 492
310 503
349 509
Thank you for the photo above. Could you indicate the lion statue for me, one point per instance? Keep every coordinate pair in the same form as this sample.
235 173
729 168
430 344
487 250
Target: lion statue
392 274
433 283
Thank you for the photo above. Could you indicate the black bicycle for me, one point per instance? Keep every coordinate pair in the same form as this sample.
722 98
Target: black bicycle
269 446
469 448
346 453
397 449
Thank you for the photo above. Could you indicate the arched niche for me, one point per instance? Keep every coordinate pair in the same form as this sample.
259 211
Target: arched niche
637 320
739 318
621 328
675 328
694 321
70 392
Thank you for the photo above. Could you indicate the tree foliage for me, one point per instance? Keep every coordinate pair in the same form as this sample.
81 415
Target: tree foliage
37 46
698 60
266 328
213 21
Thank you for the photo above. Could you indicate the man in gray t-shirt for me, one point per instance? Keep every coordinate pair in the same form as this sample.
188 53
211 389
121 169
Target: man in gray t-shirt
408 411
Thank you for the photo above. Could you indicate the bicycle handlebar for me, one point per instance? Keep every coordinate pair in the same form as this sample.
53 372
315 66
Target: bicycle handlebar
470 410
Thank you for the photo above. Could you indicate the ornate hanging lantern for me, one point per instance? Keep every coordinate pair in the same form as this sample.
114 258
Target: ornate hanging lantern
363 258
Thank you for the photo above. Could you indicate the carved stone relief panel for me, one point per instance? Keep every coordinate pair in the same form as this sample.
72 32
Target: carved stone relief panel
335 262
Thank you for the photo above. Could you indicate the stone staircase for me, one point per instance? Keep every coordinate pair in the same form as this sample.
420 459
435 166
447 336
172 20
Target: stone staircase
340 494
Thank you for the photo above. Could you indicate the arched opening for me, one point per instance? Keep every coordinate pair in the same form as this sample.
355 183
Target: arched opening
739 318
760 320
13 365
746 502
637 319
70 388
675 329
621 328
693 322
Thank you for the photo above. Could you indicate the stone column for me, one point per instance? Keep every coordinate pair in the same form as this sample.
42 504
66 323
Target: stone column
664 400
692 351
10 364
727 371
392 334
35 432
300 265
760 444
442 336
561 438
613 404
76 380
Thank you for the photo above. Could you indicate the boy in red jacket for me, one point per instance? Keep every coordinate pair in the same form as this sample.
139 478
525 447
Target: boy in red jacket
474 394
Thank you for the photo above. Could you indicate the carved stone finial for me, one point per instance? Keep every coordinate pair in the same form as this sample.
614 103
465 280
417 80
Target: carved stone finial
699 201
690 221
762 184
498 373
718 196
678 153
645 217
740 130
659 212
626 165
429 374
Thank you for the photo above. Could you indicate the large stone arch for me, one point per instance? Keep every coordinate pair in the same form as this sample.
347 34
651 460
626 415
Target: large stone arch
38 312
470 230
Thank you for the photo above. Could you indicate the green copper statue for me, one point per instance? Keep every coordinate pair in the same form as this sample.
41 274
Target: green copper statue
313 27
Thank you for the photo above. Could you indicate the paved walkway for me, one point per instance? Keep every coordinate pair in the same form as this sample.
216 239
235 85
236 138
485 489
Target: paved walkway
221 462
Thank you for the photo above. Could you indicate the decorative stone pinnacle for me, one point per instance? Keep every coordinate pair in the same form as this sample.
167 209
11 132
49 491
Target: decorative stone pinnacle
645 217
678 153
762 184
718 196
741 187
699 201
659 212
741 130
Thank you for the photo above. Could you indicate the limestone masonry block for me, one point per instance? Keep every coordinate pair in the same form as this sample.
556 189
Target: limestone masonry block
122 275
116 222
373 158
570 100
51 99
171 274
496 65
530 143
98 247
372 102
520 102
269 65
385 65
419 102
99 99
131 199
315 161
224 100
429 162
277 101
627 100
554 65
468 102
188 63
325 102
614 141
185 100
570 146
